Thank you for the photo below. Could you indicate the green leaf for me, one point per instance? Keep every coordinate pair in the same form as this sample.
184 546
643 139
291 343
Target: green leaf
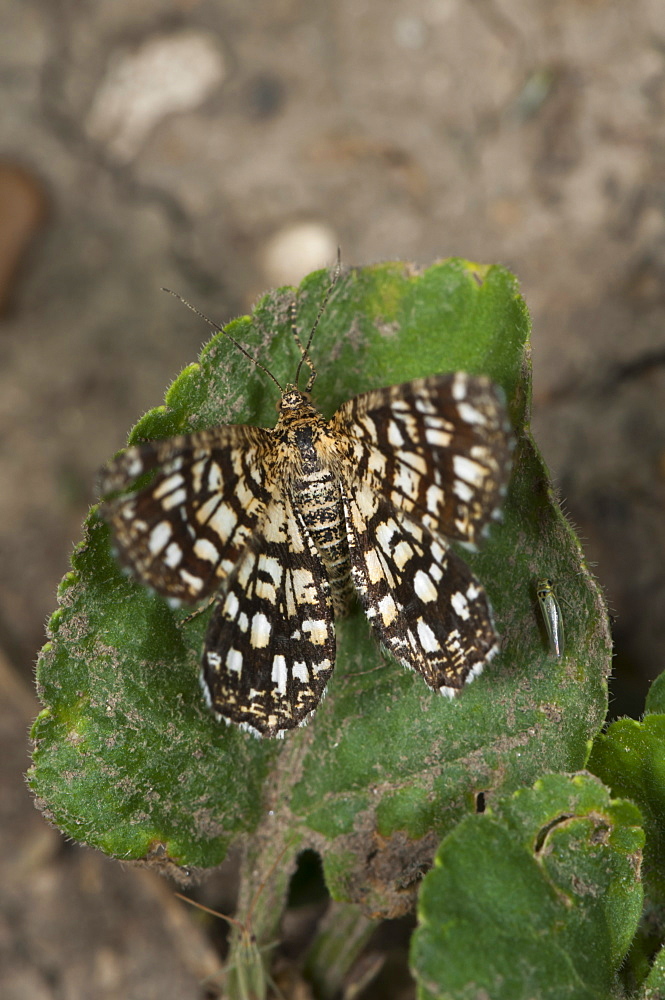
656 696
127 757
538 898
654 987
630 759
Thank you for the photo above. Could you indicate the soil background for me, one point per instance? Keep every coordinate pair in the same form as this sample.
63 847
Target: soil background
221 148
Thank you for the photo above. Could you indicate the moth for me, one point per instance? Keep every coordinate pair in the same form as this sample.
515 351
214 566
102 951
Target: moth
285 528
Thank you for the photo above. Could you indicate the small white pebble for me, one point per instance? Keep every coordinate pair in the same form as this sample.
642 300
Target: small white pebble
296 249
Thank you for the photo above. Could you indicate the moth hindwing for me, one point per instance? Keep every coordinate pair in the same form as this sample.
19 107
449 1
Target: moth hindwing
281 526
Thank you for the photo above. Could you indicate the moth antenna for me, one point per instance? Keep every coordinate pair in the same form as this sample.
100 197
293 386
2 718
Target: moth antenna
220 329
233 921
305 354
296 336
214 913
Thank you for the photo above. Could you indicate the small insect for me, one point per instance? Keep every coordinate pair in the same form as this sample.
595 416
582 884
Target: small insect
246 974
552 616
283 527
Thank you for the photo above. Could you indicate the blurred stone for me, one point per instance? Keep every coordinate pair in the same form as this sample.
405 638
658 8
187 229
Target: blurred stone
167 74
410 32
265 96
23 207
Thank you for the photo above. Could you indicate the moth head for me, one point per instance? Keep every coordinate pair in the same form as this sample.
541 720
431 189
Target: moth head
292 399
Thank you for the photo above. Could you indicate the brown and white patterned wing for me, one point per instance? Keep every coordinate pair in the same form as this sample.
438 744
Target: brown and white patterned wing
437 448
422 601
270 646
184 532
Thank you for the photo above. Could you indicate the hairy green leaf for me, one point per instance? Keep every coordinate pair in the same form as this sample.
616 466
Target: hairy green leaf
630 759
656 697
127 757
538 898
654 987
